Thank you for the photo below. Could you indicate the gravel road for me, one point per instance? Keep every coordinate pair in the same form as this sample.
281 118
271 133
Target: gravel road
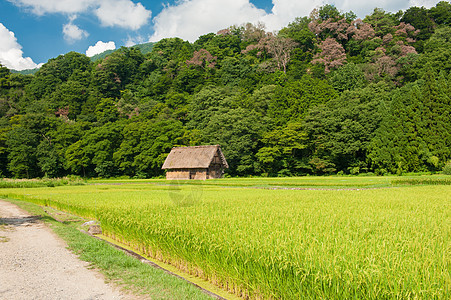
35 264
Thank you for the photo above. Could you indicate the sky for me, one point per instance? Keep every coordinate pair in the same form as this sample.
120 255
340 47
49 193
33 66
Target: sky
33 31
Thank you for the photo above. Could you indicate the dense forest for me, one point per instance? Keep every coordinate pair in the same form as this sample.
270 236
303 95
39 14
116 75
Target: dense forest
329 93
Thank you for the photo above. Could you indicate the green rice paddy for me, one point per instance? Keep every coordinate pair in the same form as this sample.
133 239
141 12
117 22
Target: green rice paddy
284 238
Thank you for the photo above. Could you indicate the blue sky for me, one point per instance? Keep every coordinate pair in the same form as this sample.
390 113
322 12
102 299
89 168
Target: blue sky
33 31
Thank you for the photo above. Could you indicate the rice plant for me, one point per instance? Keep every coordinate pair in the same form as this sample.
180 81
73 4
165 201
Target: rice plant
281 243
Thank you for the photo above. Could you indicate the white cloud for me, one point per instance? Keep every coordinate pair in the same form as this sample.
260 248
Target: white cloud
192 18
189 19
131 41
425 3
11 54
122 13
285 11
41 7
73 33
99 47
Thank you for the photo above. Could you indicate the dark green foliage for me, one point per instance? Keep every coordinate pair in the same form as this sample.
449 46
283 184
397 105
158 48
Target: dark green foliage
56 71
278 104
329 11
415 134
145 145
340 131
437 52
291 101
22 159
441 13
420 18
238 131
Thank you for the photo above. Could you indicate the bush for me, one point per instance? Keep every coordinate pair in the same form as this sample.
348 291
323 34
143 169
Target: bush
447 168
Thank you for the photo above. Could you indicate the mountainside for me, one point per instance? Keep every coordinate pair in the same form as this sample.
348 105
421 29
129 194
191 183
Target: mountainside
26 72
327 94
102 55
144 48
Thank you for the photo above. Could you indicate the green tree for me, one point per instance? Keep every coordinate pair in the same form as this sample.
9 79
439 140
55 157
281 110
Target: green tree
92 155
117 70
238 132
282 151
22 160
348 77
292 101
145 146
437 52
340 131
441 13
414 135
56 71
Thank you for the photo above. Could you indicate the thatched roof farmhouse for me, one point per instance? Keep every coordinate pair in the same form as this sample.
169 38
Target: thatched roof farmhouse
197 162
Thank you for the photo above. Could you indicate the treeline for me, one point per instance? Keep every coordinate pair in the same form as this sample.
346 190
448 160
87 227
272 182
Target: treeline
328 94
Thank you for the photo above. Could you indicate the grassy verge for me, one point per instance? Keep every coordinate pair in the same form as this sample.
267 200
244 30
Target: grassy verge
6 183
123 270
306 182
422 181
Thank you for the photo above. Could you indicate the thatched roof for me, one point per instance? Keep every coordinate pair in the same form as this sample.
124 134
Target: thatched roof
196 157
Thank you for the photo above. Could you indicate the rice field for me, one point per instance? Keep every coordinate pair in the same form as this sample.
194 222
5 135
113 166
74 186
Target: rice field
259 238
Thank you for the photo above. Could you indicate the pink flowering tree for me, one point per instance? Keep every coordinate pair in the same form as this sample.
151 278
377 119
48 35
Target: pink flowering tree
203 59
278 47
332 55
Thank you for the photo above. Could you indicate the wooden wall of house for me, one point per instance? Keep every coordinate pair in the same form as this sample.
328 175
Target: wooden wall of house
199 174
216 168
186 174
214 172
177 174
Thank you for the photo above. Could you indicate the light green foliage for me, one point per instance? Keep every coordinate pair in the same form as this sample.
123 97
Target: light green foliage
349 77
284 244
447 168
283 151
437 53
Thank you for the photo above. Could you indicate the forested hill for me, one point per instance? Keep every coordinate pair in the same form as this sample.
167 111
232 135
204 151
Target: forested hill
144 48
329 93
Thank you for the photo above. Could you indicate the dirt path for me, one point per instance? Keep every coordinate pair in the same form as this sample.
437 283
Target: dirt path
35 264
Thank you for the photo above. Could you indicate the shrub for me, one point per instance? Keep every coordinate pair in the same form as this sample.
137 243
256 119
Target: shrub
447 168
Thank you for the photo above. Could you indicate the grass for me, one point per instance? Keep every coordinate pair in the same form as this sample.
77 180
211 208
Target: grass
307 182
123 270
351 242
446 180
6 183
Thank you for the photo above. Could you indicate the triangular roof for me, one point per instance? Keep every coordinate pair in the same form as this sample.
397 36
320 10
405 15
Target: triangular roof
194 157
